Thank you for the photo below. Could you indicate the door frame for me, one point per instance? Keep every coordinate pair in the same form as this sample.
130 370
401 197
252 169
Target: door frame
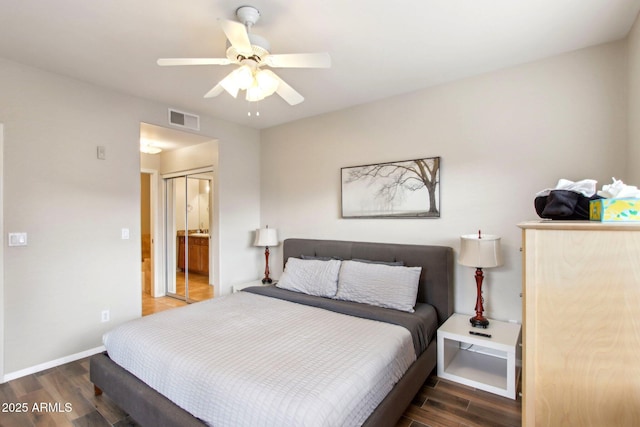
2 343
157 285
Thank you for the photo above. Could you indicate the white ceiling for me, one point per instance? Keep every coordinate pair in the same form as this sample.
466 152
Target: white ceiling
378 48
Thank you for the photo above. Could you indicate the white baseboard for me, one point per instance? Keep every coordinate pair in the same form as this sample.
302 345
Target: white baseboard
51 364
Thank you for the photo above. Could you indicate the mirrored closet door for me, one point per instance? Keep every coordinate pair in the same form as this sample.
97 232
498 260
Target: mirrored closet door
188 205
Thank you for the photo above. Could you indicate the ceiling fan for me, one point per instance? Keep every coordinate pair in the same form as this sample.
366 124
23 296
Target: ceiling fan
252 52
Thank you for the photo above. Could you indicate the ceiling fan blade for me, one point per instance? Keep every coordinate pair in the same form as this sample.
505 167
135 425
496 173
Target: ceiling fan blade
237 35
217 90
287 93
299 60
193 61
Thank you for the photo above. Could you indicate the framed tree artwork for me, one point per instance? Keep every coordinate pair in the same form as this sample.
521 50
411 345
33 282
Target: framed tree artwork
404 189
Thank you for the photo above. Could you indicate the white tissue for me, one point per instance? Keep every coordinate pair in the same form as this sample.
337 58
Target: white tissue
586 187
619 190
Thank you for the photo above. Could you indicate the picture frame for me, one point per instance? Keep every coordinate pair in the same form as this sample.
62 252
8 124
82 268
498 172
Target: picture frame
400 189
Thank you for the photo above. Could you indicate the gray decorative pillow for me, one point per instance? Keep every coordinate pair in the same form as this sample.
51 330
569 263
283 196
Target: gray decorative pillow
379 284
311 276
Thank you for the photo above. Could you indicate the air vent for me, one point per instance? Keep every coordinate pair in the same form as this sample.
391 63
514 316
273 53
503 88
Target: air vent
184 120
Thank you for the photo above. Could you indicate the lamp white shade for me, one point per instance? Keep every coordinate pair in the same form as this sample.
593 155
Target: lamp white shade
266 237
480 251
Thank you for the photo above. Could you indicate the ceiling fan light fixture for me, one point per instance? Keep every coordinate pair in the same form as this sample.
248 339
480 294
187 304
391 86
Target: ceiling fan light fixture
244 77
148 147
255 93
267 82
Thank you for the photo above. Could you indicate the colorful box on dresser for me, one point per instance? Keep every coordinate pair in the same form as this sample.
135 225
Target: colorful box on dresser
615 210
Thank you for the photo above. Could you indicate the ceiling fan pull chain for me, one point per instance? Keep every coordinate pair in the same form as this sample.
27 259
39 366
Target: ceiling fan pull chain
249 108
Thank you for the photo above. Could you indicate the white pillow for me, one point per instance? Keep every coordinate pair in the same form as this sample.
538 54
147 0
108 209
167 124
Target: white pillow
310 276
379 284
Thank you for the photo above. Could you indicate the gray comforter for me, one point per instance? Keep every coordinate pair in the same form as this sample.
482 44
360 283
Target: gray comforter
422 324
253 360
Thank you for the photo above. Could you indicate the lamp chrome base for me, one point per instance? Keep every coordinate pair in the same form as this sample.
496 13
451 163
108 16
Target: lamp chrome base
479 322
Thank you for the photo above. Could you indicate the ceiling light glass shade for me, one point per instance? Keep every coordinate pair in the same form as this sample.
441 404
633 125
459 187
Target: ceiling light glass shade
255 93
244 77
149 148
267 82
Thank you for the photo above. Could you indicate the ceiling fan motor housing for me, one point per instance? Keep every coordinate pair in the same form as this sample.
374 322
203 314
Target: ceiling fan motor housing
259 46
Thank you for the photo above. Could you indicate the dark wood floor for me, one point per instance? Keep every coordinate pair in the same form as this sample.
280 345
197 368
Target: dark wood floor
442 403
63 396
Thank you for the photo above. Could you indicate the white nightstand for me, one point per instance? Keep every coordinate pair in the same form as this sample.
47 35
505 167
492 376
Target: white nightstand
240 286
484 363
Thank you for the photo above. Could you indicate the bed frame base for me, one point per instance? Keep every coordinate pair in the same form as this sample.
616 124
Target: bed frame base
141 402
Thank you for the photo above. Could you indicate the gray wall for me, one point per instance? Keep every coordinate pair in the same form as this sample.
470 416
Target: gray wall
73 207
501 136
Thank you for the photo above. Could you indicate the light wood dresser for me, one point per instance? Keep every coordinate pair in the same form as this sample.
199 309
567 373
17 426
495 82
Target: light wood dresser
581 323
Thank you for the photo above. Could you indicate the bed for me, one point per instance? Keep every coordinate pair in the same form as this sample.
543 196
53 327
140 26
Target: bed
414 361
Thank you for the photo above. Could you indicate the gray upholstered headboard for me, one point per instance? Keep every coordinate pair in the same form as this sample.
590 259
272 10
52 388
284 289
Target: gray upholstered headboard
436 279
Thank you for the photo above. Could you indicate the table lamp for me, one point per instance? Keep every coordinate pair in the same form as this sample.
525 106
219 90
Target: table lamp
479 251
266 237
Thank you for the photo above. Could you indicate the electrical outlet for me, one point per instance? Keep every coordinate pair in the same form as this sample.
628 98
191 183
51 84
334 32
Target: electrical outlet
105 316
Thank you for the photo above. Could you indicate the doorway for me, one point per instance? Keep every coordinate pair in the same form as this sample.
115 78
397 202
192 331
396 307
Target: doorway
188 206
164 152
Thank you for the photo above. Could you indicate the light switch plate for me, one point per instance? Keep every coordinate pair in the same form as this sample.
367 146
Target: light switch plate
17 239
